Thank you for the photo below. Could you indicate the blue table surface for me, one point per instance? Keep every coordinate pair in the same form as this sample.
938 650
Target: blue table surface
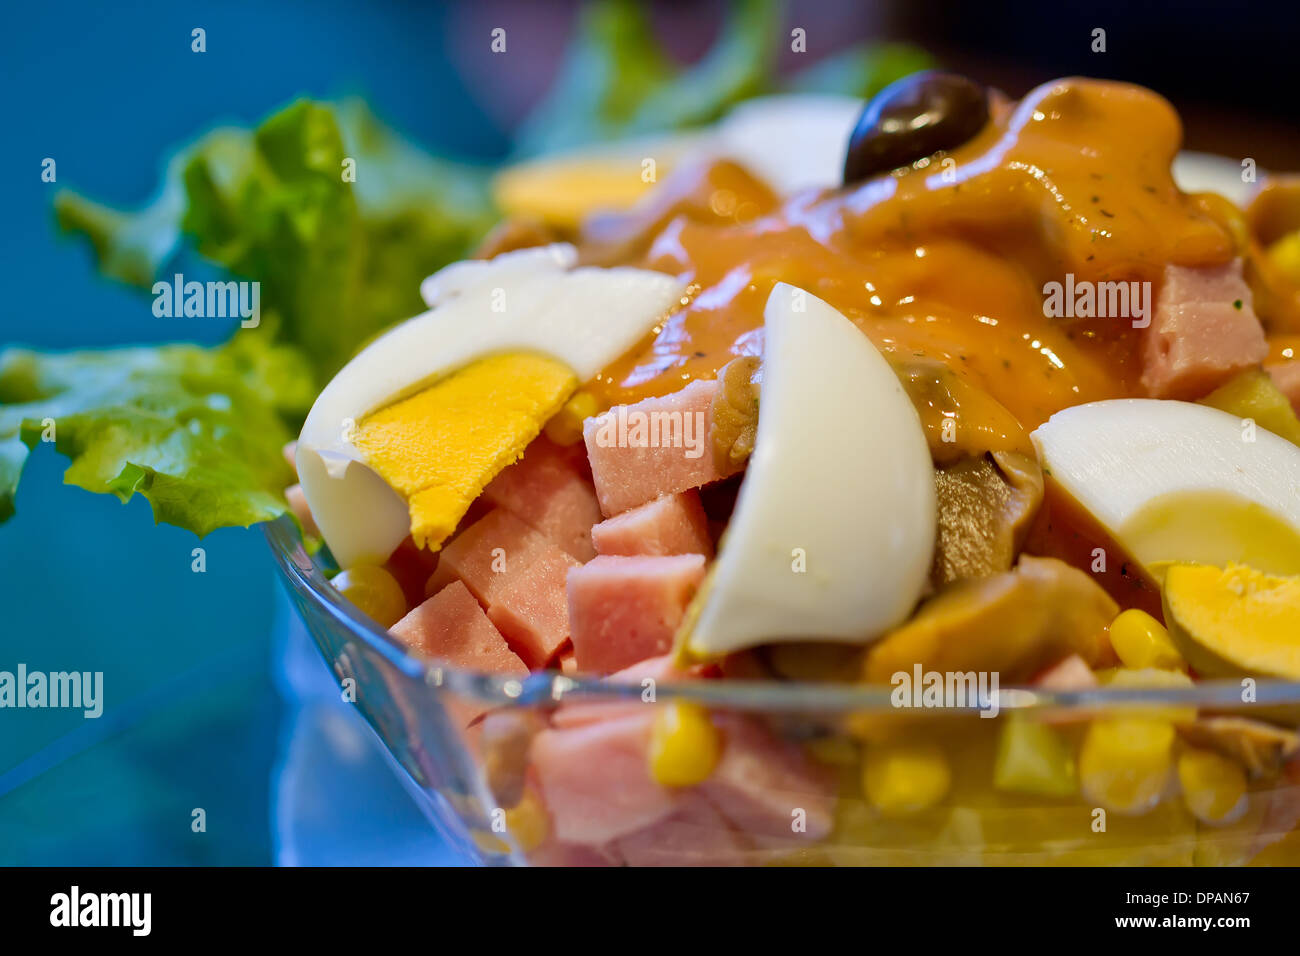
200 711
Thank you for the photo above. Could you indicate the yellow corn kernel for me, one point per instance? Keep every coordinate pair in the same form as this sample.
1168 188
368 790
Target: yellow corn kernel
565 427
1150 678
528 822
1214 787
899 779
684 745
1285 255
1124 764
374 591
1142 641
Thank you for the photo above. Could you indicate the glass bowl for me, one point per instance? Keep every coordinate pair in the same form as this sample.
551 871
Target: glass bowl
552 769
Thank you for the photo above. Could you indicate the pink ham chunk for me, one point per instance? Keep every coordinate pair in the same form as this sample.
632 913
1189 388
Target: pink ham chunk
569 855
694 835
658 446
673 524
1204 331
766 787
625 609
595 779
518 574
546 490
1286 376
451 627
643 674
531 609
1067 676
1072 673
764 795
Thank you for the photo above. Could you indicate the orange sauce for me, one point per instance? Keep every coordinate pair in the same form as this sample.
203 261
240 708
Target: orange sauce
944 262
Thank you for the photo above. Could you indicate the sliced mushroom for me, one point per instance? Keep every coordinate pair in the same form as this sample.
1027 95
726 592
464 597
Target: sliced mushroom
1014 623
960 419
986 505
1261 748
735 413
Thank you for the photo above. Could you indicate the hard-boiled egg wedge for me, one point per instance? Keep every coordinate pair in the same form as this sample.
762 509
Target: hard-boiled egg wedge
1173 481
833 531
562 190
792 142
409 432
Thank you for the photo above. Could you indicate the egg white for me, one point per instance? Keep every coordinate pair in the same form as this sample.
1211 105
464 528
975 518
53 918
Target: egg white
1118 457
833 531
527 301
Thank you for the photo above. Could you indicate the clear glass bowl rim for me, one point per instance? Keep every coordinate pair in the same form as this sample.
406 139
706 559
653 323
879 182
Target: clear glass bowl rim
548 688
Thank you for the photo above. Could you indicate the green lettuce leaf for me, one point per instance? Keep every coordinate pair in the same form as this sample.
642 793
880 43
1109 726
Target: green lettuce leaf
739 65
338 260
617 81
610 66
197 431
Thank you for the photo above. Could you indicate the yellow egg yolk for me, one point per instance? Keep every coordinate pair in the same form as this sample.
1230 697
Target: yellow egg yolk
1211 527
563 192
440 447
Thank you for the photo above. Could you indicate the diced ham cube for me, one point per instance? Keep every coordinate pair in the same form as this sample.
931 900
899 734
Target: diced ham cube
1204 331
1070 674
658 446
451 627
483 553
596 783
673 524
1286 376
766 786
1073 673
625 609
518 574
531 609
553 853
595 779
695 835
656 670
546 490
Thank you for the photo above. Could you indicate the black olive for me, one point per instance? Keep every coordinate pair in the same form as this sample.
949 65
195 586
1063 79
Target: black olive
912 118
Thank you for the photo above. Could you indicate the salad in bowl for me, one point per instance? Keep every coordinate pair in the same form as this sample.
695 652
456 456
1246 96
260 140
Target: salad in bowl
936 500
891 472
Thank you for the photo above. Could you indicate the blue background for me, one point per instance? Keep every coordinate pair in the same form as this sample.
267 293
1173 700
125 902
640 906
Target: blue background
192 716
